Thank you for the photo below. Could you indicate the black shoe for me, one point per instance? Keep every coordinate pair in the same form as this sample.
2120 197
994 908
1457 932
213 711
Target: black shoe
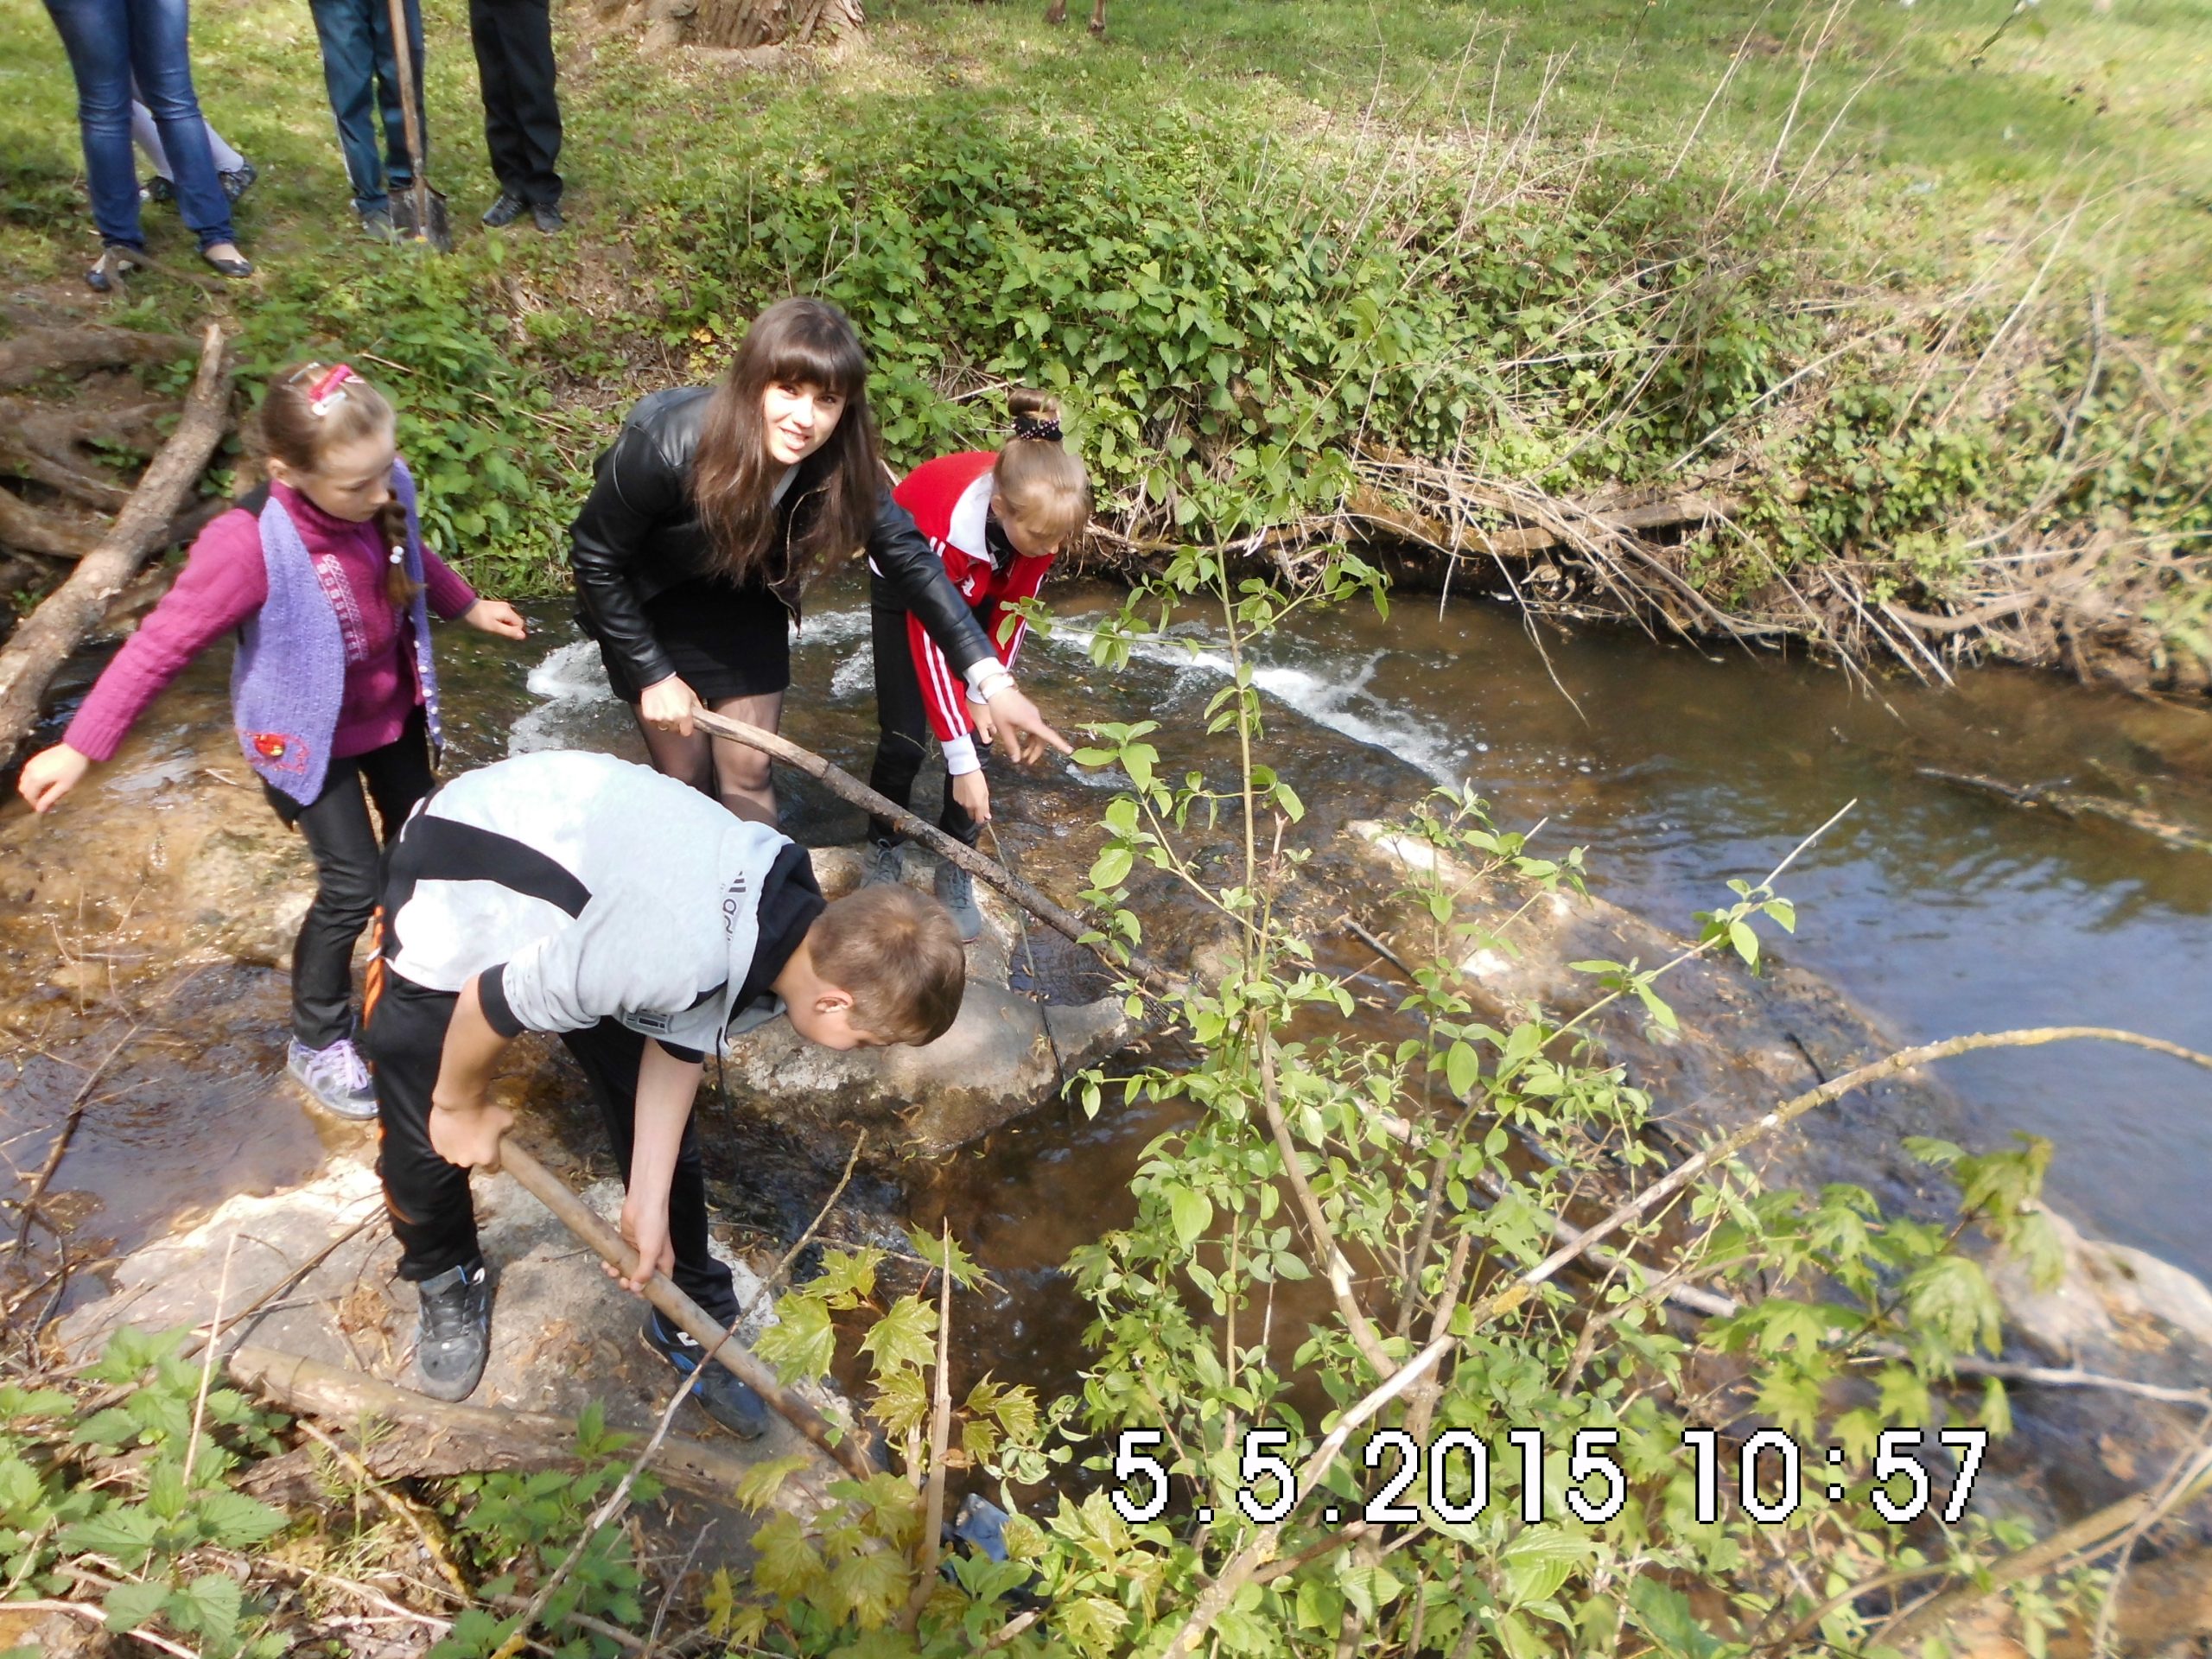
235 267
504 212
728 1400
118 260
546 215
157 188
454 1333
238 180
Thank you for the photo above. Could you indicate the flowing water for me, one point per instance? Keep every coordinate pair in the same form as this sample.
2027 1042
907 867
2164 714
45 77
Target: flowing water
1939 908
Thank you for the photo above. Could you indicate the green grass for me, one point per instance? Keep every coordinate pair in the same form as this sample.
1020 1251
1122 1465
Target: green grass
1861 152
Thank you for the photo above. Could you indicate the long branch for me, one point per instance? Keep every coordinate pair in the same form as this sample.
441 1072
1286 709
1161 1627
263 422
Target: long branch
847 787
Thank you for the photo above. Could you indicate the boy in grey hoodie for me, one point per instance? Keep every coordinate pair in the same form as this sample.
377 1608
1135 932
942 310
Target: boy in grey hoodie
635 918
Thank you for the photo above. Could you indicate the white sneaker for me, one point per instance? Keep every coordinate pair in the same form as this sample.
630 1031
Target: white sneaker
336 1078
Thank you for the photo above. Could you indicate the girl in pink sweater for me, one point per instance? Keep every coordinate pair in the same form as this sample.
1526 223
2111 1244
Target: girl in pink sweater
324 576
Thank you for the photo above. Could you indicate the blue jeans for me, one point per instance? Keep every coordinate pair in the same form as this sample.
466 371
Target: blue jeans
361 71
109 41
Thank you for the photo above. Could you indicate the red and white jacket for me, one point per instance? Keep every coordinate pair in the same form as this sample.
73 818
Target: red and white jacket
951 499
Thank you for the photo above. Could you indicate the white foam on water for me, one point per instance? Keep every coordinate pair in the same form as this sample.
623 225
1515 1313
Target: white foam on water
853 675
570 679
1340 703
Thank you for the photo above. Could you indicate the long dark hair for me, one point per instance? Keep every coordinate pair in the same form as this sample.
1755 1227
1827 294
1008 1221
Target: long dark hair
805 342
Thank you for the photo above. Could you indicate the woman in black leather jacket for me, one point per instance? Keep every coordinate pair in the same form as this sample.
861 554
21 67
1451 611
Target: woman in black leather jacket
707 519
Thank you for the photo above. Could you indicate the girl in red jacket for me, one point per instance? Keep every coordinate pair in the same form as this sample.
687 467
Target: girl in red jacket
997 520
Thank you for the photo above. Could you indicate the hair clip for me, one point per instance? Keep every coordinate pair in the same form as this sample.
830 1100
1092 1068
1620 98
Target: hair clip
328 390
1028 426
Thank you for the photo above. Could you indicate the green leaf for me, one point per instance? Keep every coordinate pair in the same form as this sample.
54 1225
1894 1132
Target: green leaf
1537 1562
906 1335
873 1585
237 1521
802 1342
1745 941
208 1607
1193 1213
1462 1067
126 1533
1663 1614
1111 868
113 1426
130 1606
784 1562
758 1490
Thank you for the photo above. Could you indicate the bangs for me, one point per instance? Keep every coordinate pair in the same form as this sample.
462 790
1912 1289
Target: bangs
812 345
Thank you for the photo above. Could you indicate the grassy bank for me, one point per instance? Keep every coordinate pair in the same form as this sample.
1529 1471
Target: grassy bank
1921 335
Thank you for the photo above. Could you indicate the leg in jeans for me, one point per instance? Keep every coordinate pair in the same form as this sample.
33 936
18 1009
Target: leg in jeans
609 1053
742 779
96 34
148 141
522 115
431 1214
160 61
349 75
903 740
398 165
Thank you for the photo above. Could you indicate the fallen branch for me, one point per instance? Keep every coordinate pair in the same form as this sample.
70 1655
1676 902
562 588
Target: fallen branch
61 623
75 351
2073 805
848 1447
847 787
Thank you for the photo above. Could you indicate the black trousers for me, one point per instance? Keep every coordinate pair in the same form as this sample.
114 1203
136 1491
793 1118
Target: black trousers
521 117
349 871
904 741
431 1214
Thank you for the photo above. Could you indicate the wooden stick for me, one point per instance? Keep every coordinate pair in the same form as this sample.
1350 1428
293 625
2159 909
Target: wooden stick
848 1447
847 787
61 621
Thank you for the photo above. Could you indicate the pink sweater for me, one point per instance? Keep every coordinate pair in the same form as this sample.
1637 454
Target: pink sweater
224 581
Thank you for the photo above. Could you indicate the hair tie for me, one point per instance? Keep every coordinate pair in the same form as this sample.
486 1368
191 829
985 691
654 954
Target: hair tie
328 391
398 554
1029 426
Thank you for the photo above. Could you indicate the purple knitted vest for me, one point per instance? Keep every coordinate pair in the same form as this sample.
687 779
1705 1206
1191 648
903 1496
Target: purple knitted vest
288 682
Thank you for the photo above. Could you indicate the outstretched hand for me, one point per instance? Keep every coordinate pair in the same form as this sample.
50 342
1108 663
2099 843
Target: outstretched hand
496 616
50 774
1014 717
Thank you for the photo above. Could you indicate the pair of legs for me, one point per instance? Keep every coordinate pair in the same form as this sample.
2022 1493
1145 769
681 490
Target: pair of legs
148 137
735 775
113 44
903 744
521 117
431 1213
360 70
349 867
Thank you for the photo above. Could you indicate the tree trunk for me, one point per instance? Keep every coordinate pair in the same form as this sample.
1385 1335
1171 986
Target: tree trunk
60 624
748 26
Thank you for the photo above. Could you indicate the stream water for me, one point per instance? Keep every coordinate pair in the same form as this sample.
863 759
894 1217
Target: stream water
1940 909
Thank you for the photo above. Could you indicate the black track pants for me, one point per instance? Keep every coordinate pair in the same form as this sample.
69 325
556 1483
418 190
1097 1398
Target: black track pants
905 742
431 1214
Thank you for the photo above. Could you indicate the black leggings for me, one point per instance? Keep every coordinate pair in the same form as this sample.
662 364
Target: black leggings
349 869
431 1214
903 744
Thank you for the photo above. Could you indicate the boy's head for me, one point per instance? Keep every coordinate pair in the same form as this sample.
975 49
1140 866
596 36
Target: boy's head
880 966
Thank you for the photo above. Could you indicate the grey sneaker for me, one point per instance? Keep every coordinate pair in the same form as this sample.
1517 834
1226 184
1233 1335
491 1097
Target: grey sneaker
882 865
336 1078
375 225
956 891
453 1332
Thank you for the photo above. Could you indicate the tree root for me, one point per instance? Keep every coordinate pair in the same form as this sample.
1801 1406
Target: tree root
77 350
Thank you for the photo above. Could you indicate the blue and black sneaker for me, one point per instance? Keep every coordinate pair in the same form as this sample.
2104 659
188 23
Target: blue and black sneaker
727 1399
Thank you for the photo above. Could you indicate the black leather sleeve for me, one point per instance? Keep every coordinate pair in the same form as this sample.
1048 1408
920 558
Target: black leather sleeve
634 490
902 555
